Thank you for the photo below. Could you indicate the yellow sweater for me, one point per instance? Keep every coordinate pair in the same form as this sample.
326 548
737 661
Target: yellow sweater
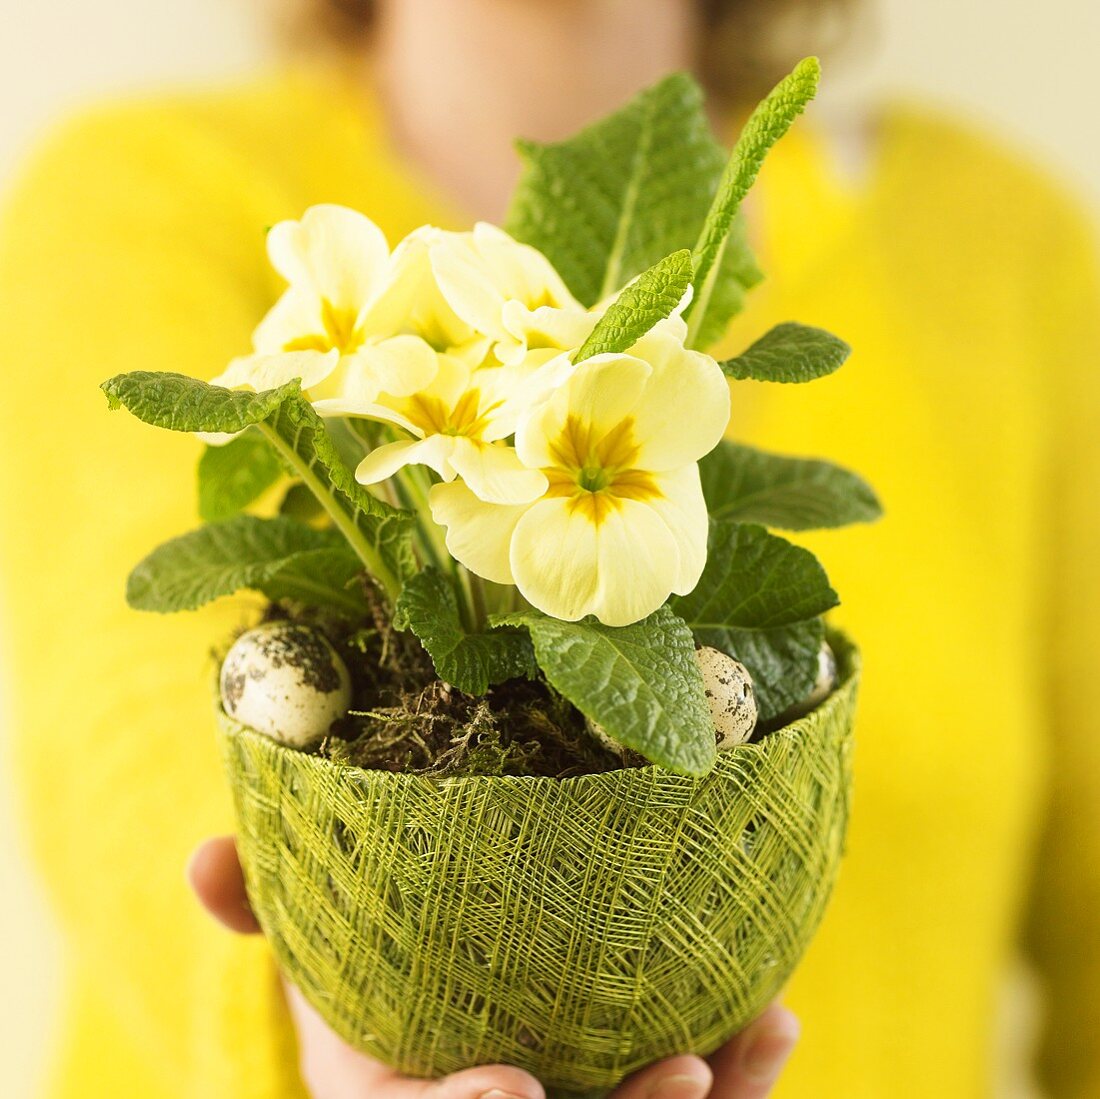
134 238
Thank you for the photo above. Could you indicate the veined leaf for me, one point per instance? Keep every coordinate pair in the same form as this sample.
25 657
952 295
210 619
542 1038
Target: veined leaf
624 193
651 297
760 599
299 503
279 557
179 403
641 683
789 353
753 486
472 662
234 475
380 535
766 125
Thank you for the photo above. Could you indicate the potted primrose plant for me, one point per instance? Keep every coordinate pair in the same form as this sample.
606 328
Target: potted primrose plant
540 754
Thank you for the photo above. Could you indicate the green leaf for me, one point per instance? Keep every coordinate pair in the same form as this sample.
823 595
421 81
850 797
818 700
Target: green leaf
279 557
760 599
753 486
179 403
299 503
737 275
782 661
624 193
234 475
641 683
766 125
789 353
470 661
651 297
380 535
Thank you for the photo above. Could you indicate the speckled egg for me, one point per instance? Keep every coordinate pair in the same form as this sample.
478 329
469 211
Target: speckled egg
287 681
824 685
730 696
826 680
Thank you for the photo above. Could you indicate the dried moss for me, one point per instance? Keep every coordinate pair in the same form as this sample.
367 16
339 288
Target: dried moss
519 728
404 719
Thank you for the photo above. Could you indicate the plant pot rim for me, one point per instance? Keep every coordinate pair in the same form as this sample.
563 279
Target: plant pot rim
849 665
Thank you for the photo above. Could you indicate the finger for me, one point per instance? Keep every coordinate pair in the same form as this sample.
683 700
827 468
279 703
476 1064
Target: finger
332 1069
749 1066
486 1082
684 1077
215 875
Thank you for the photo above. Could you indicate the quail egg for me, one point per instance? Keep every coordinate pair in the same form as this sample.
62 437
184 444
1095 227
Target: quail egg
729 695
285 680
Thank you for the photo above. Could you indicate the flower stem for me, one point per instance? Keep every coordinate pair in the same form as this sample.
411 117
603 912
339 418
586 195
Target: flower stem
479 614
343 522
414 485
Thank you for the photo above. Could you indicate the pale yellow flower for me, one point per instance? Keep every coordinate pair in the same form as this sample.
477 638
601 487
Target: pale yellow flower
510 292
341 324
458 423
622 523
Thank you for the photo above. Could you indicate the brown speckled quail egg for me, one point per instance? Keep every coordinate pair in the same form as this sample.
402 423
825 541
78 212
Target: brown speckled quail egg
285 680
730 696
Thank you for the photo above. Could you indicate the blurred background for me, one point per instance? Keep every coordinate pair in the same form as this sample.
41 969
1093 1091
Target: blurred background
1025 72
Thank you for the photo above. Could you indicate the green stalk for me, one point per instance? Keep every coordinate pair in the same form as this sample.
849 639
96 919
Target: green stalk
343 522
477 599
466 600
412 483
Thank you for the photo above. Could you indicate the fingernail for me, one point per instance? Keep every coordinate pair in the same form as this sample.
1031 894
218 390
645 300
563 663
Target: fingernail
678 1087
767 1052
496 1093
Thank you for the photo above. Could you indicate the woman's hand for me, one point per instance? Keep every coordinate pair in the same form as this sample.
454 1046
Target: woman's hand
745 1068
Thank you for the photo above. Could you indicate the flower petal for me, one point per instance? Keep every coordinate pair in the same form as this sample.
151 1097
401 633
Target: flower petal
506 394
400 366
620 569
520 271
216 438
384 461
599 394
544 327
260 372
337 253
554 559
411 302
685 409
294 318
495 473
403 363
478 534
466 284
682 507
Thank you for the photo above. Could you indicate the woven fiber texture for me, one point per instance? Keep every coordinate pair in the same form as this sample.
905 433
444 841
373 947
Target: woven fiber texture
579 928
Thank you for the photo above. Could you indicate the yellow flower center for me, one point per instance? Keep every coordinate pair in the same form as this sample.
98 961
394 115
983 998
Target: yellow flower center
597 474
434 417
339 332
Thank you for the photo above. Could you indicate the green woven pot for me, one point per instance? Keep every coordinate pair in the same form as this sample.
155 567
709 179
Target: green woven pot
579 928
